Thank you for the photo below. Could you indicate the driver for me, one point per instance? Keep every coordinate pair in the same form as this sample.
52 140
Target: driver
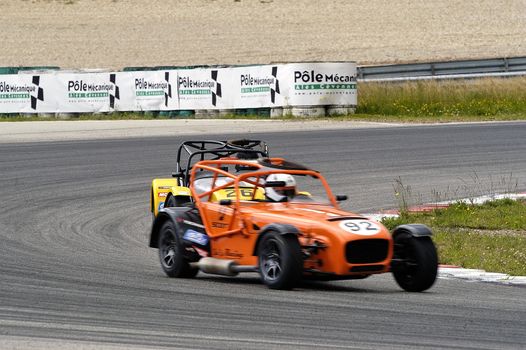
282 193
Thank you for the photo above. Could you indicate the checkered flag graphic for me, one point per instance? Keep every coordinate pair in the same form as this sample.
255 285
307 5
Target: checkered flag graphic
275 90
167 94
217 93
39 92
116 94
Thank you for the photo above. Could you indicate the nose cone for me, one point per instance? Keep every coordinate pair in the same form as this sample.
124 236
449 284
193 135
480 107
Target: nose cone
361 228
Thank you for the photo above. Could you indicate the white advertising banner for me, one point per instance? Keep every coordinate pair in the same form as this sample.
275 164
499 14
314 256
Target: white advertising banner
87 92
279 85
27 93
255 86
315 84
148 91
201 88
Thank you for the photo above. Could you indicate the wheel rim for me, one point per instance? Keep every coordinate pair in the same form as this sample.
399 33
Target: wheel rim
168 249
271 261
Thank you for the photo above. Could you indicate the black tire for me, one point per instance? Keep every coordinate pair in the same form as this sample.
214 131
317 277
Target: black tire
415 264
171 253
280 261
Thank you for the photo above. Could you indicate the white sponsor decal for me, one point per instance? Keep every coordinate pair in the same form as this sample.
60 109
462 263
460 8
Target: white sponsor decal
360 227
196 237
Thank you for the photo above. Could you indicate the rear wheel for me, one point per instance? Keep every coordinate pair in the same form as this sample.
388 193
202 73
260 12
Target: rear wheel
415 262
171 253
280 261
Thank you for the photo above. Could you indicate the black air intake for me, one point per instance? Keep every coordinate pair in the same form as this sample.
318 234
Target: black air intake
366 251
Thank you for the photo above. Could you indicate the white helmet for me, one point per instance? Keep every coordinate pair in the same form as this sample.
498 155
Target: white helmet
279 194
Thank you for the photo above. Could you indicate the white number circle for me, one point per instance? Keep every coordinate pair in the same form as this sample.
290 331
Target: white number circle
360 227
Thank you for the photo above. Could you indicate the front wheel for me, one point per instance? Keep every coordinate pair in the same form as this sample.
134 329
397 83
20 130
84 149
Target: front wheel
415 262
280 261
171 253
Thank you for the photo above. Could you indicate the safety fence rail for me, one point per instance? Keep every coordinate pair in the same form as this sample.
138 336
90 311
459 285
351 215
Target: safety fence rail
507 66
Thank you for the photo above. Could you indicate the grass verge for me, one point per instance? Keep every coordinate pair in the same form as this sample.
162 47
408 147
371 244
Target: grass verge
491 236
486 97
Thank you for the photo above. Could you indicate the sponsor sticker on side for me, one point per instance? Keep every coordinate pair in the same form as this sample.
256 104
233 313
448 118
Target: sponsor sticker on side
196 237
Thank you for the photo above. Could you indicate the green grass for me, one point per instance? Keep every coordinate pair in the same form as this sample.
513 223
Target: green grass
494 252
487 97
491 236
504 214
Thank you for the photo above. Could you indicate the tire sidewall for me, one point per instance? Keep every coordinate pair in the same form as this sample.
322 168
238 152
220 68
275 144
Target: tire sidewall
290 260
422 276
178 267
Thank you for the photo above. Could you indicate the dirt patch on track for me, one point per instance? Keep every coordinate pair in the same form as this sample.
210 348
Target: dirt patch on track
119 33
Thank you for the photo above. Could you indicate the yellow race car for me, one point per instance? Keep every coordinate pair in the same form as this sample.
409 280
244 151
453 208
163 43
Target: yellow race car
174 191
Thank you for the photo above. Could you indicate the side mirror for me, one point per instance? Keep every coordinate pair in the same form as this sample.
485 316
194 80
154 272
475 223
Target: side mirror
179 174
225 202
341 197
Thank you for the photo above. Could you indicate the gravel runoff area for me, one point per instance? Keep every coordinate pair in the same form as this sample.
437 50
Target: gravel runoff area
119 33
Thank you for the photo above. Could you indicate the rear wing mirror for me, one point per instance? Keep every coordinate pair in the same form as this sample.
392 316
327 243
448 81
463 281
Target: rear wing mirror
341 197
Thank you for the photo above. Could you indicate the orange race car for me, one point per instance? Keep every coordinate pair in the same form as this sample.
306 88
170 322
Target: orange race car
242 211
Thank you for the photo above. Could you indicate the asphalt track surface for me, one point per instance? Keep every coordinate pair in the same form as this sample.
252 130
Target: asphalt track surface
76 272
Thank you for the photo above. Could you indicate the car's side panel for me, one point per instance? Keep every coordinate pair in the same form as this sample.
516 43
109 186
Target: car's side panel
229 239
160 190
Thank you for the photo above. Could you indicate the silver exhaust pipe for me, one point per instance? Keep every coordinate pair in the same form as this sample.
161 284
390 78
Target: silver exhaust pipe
222 267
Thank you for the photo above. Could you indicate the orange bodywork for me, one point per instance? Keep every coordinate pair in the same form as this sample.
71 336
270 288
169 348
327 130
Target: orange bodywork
325 231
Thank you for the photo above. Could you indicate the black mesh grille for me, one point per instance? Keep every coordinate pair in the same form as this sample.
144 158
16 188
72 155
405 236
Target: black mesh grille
366 251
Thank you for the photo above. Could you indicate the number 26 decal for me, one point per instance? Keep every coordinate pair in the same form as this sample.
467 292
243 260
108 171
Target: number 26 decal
230 193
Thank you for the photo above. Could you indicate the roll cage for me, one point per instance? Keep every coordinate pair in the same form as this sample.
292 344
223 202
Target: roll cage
255 177
191 152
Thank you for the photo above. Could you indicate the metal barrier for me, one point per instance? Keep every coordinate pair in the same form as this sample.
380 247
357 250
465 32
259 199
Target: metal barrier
452 69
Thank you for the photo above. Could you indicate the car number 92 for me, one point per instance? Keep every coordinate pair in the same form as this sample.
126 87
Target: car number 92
360 227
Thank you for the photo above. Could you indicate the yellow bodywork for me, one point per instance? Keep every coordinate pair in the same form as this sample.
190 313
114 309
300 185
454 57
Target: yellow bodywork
160 190
245 194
